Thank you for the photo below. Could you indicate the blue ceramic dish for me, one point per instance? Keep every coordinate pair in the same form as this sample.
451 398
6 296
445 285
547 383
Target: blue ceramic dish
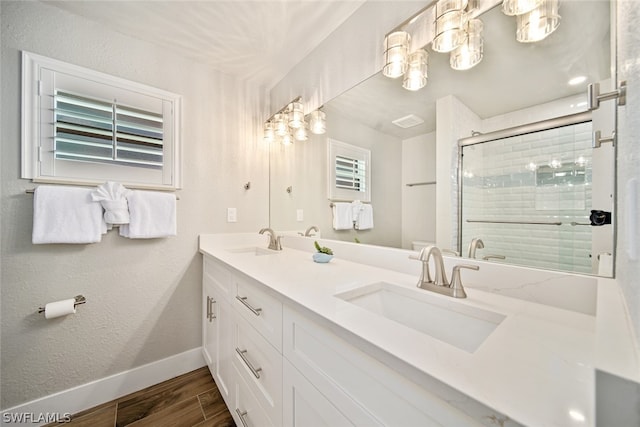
321 257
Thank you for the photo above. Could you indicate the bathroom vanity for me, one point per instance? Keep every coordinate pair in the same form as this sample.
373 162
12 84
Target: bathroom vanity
291 342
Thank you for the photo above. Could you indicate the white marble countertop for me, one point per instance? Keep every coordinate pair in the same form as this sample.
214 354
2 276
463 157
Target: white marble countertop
537 367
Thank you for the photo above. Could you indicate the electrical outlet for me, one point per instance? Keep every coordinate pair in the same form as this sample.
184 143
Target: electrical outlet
232 215
299 215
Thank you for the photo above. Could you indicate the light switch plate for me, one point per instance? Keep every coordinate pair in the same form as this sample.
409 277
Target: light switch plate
232 215
299 215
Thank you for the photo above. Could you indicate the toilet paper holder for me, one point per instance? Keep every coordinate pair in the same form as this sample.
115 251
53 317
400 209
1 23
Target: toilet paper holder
80 299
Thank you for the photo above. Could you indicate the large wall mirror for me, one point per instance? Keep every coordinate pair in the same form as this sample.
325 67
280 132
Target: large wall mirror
406 131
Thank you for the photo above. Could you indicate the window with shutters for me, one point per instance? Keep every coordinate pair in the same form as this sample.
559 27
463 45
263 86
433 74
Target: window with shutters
81 126
349 172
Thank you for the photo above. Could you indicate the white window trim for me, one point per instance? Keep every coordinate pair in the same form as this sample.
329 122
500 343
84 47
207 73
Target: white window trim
32 64
338 148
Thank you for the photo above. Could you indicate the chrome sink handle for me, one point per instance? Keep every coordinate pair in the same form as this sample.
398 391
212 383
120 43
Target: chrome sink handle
425 275
457 290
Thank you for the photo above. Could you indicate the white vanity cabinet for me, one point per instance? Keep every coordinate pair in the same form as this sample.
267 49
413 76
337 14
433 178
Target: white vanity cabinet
355 385
242 342
217 323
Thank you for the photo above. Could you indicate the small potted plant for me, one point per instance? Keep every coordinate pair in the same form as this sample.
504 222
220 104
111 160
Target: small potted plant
323 255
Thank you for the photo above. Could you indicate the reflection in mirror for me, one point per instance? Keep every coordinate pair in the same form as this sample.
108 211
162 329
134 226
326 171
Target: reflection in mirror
527 196
514 84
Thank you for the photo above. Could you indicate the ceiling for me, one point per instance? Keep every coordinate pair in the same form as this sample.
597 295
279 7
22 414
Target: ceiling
510 77
254 40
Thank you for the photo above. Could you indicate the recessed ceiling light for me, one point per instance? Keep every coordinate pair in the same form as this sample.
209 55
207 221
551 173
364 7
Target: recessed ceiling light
577 80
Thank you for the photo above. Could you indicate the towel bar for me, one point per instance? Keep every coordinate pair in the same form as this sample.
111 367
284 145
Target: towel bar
32 190
80 299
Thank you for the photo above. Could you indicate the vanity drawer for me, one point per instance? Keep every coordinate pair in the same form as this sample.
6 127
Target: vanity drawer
260 365
218 275
259 309
247 412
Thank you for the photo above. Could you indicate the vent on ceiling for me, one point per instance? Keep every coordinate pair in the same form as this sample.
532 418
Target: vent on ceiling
408 121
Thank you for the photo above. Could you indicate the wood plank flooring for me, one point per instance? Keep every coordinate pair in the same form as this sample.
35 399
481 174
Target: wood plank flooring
190 400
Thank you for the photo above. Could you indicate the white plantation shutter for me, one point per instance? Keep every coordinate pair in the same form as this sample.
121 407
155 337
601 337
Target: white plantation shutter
81 126
349 172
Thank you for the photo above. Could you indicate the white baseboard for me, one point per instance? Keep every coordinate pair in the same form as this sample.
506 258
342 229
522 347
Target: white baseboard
88 395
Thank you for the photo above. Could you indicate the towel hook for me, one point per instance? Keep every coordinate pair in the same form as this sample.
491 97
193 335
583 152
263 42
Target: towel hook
289 189
247 185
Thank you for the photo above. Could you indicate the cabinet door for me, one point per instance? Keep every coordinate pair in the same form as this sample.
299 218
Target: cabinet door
225 376
209 324
304 405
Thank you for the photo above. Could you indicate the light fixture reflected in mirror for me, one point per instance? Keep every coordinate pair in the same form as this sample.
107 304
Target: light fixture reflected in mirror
449 25
396 52
469 53
296 115
416 75
539 23
289 124
318 122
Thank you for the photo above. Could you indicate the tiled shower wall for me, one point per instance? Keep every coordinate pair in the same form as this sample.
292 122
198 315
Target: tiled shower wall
499 179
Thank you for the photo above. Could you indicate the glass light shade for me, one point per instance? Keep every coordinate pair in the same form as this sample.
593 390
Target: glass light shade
519 7
416 76
280 123
287 139
469 53
539 23
296 115
318 122
396 50
449 25
269 133
301 134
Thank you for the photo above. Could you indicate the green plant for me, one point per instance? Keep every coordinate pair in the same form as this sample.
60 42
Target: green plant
355 239
322 249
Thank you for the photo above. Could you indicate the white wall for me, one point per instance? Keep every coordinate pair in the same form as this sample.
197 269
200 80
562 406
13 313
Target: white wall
143 297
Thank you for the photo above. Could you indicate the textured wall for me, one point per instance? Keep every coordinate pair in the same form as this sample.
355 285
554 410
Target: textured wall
628 268
143 297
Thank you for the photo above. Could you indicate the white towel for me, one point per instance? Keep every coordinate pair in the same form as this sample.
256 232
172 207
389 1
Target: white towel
364 220
153 214
112 197
342 216
66 215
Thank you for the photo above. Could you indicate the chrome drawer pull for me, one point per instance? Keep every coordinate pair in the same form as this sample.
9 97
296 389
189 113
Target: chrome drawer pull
210 315
253 370
243 300
242 415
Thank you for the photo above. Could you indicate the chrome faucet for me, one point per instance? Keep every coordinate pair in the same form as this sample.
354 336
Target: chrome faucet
274 241
476 243
439 283
307 232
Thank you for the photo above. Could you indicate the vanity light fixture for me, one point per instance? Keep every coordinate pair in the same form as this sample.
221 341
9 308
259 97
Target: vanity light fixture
469 53
449 25
289 124
396 52
539 23
269 133
519 7
416 75
296 115
318 122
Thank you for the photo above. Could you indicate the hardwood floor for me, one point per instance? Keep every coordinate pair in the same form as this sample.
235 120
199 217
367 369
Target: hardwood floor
190 400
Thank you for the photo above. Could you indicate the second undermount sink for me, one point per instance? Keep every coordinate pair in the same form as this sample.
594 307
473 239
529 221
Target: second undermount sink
460 325
253 250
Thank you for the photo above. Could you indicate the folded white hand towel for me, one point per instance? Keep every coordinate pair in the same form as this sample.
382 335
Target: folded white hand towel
112 197
153 214
66 215
364 220
342 216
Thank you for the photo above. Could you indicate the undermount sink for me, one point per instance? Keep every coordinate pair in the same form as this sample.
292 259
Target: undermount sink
460 325
253 250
